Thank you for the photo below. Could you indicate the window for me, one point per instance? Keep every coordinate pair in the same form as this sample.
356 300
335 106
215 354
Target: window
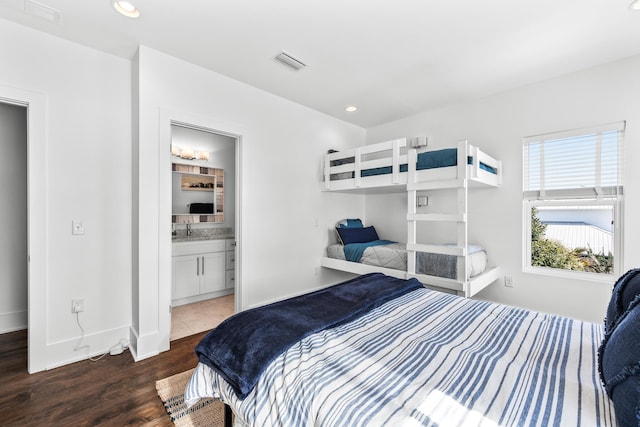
572 202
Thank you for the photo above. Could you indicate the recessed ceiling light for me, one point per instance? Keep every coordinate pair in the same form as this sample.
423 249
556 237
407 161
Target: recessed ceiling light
635 5
351 108
127 9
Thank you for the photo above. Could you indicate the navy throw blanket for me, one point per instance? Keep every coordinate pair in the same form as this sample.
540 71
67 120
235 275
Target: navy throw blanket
241 347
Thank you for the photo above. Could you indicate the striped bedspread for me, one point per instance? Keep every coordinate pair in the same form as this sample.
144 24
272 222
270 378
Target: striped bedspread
429 359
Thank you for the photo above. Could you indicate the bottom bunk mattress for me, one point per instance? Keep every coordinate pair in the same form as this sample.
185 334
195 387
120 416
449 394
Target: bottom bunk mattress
394 255
426 358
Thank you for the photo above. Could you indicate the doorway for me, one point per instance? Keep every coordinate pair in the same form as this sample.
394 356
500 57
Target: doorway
203 200
13 214
152 341
36 238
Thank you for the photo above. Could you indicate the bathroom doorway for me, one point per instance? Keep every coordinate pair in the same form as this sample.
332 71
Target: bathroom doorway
203 202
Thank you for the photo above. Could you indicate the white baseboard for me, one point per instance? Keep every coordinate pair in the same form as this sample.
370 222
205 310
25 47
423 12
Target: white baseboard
203 297
92 345
143 347
14 321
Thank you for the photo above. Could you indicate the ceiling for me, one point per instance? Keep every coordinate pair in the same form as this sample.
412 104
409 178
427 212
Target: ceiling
390 58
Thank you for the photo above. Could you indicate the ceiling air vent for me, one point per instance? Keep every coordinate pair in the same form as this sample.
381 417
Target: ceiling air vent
290 61
43 11
34 8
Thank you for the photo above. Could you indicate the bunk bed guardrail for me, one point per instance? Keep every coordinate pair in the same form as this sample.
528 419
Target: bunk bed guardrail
392 163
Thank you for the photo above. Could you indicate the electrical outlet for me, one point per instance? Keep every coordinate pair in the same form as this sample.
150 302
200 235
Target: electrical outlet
508 281
422 201
77 305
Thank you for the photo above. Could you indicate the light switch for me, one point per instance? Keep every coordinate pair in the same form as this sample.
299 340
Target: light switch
77 226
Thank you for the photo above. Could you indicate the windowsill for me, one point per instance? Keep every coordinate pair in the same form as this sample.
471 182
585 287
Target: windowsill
608 279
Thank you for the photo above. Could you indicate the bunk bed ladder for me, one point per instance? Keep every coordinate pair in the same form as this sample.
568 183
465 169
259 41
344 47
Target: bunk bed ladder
461 185
463 199
412 208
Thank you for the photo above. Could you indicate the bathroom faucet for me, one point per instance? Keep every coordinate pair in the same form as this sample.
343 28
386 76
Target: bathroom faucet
189 231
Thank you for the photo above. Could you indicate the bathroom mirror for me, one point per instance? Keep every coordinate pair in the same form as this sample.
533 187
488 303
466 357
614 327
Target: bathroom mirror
197 194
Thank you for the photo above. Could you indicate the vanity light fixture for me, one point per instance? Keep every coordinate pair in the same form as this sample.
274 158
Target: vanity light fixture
635 5
203 155
187 153
126 8
351 109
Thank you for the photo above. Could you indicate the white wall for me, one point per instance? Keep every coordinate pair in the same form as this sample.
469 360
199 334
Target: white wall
13 216
87 167
285 219
498 123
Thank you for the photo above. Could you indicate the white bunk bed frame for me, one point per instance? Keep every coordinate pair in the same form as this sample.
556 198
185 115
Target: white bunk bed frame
459 177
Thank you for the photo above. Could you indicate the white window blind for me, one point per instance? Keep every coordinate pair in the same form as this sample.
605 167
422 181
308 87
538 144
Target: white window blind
585 163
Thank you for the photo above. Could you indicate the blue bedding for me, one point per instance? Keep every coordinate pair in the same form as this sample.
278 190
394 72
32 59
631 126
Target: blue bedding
430 160
241 347
353 251
428 358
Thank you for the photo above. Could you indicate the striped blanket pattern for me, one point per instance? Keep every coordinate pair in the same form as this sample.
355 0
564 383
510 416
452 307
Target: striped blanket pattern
428 359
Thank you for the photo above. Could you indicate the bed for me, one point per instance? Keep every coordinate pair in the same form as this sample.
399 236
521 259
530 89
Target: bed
359 250
411 356
394 255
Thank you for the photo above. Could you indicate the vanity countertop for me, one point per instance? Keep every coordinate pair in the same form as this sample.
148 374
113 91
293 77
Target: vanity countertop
202 234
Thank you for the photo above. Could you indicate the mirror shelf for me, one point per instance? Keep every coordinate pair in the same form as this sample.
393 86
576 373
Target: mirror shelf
196 219
198 194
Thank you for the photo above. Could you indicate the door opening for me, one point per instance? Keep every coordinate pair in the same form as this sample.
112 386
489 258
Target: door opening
32 107
203 200
13 214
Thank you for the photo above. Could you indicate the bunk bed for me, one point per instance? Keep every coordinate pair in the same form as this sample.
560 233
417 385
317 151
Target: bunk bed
396 166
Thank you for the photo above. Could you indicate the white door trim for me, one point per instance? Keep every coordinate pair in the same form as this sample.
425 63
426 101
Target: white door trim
167 118
36 221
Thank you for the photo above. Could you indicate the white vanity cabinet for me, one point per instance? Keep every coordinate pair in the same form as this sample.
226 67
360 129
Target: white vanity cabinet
199 270
230 263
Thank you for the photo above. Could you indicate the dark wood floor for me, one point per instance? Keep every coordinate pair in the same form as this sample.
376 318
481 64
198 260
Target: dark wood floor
113 391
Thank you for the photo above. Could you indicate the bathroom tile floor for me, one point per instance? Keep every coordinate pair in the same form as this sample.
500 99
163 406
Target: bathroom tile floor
200 316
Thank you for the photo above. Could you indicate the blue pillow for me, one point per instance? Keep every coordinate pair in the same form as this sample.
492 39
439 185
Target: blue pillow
625 290
357 235
619 365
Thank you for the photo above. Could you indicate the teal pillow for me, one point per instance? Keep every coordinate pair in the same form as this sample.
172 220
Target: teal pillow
350 223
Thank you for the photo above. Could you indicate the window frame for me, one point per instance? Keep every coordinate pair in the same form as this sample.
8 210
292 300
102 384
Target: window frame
575 198
615 203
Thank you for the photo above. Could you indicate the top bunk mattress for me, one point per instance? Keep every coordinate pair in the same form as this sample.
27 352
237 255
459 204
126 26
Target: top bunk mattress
394 256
